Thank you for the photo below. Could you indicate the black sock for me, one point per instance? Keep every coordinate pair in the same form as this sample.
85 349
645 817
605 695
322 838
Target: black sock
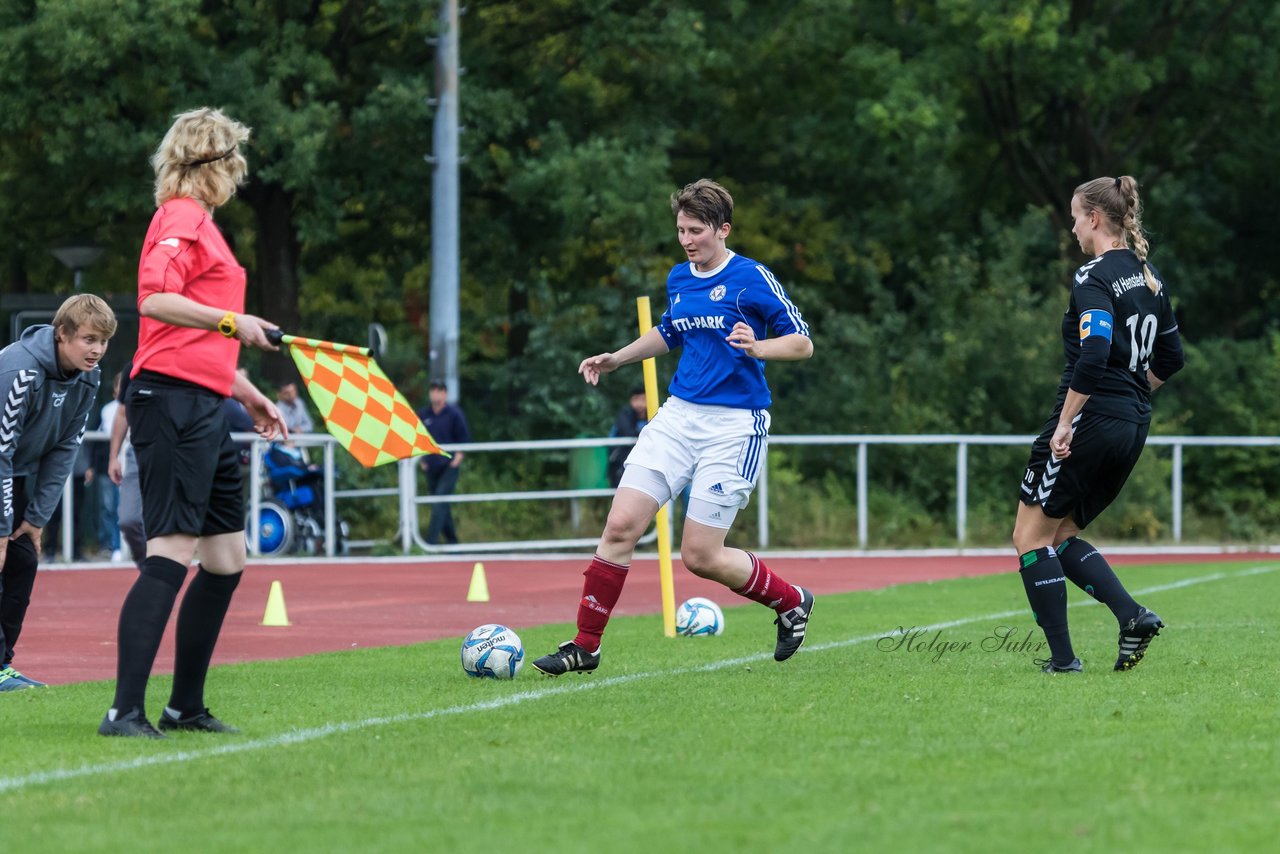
17 577
142 620
1047 593
199 622
1089 570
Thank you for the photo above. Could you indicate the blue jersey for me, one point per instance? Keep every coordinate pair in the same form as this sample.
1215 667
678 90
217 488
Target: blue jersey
701 311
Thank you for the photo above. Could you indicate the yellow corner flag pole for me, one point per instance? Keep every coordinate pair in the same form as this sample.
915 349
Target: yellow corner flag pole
664 529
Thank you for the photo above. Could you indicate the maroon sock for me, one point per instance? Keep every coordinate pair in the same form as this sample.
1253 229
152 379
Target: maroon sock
600 593
768 588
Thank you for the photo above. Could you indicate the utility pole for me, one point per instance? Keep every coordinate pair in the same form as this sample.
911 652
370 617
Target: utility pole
443 363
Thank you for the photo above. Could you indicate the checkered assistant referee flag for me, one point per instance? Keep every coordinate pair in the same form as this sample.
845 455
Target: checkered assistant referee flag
360 406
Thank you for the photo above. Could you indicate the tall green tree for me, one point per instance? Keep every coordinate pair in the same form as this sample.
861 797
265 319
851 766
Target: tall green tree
334 91
903 166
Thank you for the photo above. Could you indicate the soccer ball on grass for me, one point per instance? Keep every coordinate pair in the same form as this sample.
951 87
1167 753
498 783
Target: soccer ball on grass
492 652
699 617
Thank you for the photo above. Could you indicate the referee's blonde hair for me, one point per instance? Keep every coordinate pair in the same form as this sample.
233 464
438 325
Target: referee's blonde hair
200 158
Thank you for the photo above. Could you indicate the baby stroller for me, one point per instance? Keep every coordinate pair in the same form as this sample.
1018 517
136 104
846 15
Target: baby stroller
292 520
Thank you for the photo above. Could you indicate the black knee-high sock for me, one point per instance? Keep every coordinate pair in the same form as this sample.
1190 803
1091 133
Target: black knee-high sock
142 620
1089 570
199 622
1047 594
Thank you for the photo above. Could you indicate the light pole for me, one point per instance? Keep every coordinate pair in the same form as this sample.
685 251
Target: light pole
444 322
77 256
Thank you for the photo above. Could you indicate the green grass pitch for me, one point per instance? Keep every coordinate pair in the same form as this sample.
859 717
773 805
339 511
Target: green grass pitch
870 739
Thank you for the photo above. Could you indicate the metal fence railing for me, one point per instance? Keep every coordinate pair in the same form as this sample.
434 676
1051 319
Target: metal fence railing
962 444
407 537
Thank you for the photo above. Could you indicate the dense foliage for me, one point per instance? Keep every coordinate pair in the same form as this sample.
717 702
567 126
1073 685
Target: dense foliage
904 167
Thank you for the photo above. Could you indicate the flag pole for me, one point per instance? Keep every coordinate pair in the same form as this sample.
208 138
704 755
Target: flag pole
664 527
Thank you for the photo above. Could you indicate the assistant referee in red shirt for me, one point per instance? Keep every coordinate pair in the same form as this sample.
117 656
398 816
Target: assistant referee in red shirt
191 298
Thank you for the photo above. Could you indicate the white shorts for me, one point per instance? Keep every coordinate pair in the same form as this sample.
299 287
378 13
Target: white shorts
716 450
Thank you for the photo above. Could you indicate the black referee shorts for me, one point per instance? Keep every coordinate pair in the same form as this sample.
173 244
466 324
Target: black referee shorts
188 466
1104 451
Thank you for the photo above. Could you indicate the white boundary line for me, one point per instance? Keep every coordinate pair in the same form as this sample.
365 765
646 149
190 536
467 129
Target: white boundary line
18 783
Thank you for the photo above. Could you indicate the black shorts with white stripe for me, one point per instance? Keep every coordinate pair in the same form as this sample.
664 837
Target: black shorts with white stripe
1104 451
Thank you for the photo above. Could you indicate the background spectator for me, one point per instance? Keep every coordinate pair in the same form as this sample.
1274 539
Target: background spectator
448 426
122 469
294 409
630 421
81 476
108 492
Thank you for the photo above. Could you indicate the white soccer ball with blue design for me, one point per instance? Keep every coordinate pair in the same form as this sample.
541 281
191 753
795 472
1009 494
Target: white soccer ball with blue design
492 652
699 617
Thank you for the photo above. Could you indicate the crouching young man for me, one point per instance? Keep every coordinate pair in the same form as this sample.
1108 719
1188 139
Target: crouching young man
48 385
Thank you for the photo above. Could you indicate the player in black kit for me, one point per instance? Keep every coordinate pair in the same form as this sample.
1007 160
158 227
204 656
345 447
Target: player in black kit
1121 342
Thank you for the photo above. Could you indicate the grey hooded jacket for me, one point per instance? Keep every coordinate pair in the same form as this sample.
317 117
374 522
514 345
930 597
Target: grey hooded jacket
43 416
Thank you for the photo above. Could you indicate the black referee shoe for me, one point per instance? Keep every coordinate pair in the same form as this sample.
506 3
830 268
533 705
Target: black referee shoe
201 721
1135 637
132 724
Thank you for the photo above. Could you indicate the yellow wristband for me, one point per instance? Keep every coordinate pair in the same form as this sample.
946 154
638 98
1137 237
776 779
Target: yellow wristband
227 325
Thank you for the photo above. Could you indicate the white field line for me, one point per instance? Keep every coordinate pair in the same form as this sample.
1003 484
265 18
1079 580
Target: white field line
300 736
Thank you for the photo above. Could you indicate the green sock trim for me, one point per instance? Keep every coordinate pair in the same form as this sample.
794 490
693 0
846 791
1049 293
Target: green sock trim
1030 558
1065 544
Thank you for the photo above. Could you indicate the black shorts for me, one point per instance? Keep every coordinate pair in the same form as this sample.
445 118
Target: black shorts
1104 451
188 466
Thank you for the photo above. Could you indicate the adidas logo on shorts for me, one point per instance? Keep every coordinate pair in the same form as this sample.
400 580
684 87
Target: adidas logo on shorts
717 489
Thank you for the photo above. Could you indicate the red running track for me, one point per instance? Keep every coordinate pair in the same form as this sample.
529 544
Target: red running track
70 630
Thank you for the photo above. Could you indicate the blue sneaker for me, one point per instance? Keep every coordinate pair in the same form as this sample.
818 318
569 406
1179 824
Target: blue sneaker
34 683
12 680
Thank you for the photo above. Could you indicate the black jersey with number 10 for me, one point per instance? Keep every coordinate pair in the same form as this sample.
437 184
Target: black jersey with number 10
1110 297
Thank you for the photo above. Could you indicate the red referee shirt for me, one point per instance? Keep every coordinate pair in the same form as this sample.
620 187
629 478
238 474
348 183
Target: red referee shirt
184 253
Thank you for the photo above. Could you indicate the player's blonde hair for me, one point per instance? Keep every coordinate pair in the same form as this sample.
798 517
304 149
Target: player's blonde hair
80 309
200 158
705 201
1117 200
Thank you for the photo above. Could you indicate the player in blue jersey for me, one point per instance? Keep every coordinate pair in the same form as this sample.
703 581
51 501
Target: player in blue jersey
711 434
1121 343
